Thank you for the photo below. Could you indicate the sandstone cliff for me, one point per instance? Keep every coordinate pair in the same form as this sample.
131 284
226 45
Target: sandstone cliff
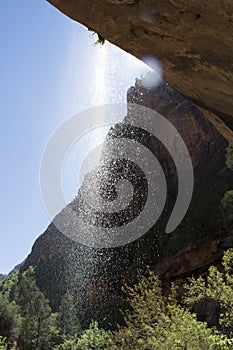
193 39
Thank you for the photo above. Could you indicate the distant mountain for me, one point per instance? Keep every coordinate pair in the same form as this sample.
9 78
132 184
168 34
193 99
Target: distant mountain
2 277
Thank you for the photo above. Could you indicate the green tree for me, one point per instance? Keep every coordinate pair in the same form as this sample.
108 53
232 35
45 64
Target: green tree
67 319
92 338
38 323
9 284
68 344
179 329
227 205
215 290
157 322
3 345
9 319
229 157
25 289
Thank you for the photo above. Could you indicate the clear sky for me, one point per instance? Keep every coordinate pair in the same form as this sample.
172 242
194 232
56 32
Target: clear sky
50 69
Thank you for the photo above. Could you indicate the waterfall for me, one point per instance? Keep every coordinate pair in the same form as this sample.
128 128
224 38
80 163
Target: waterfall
95 74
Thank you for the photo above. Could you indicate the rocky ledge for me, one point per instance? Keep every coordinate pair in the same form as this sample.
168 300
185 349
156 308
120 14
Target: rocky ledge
192 38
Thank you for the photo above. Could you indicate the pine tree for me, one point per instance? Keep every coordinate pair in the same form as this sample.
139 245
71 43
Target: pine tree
37 318
9 284
67 319
9 319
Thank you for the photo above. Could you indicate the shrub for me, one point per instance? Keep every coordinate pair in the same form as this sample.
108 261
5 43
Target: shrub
92 338
229 157
216 288
157 322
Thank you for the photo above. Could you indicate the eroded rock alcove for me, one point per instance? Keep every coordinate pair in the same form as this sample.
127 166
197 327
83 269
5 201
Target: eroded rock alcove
192 39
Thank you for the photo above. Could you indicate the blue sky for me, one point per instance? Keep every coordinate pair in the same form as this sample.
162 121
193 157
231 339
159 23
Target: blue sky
50 69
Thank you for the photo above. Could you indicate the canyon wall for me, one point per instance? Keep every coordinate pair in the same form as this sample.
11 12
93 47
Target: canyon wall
96 274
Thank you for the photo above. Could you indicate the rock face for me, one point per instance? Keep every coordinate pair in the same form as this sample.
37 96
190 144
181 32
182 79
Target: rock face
192 257
193 39
202 140
96 274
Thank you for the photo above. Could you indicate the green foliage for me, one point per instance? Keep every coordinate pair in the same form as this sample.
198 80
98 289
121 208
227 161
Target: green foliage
227 204
156 322
9 318
25 290
110 314
92 338
229 157
26 313
67 319
179 329
3 345
8 285
146 301
38 323
216 288
227 199
68 344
